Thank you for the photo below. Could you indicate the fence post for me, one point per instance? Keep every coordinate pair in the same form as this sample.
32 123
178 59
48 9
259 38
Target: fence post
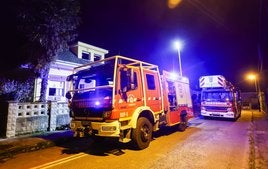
52 118
11 118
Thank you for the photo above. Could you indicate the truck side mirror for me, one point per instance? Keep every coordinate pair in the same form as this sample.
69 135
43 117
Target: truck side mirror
69 78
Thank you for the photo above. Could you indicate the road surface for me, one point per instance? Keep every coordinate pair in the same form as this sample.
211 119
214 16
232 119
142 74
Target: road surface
213 143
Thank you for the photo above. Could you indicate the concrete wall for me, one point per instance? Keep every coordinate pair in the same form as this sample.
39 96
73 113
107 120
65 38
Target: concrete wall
250 100
25 118
254 100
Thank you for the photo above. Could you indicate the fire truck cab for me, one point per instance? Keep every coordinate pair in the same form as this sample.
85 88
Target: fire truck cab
126 98
219 98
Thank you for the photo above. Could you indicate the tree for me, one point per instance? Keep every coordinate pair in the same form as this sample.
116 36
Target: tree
48 25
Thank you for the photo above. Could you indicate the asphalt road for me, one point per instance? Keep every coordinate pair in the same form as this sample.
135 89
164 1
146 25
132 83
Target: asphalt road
212 143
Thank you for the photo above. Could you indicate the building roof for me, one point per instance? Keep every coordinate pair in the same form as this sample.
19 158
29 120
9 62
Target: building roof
88 46
68 56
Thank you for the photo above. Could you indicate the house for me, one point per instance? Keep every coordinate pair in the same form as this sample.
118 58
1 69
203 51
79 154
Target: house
79 54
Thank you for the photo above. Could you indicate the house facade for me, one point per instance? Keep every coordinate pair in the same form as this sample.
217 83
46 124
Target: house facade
78 54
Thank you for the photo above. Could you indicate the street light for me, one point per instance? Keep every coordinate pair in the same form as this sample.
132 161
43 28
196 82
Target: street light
178 45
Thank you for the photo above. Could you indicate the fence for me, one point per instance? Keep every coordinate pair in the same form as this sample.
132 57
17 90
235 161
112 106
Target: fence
25 118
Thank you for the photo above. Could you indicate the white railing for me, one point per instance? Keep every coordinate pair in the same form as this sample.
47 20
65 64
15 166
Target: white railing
32 109
25 118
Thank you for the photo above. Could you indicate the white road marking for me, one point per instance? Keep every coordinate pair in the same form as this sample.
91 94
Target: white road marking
60 161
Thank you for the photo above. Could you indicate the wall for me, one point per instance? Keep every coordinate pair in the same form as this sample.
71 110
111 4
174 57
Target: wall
249 100
3 117
25 118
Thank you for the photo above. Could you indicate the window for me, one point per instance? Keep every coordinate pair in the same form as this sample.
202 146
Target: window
97 57
135 80
56 89
52 91
56 92
150 81
86 83
125 81
217 95
85 55
82 86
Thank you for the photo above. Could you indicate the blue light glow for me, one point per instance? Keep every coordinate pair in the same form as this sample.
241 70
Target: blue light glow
97 103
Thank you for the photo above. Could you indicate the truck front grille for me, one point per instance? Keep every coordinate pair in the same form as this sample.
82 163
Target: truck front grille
86 112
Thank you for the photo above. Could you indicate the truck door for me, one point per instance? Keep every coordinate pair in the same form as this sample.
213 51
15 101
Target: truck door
152 90
128 92
173 113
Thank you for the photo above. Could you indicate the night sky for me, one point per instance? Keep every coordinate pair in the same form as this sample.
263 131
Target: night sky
220 37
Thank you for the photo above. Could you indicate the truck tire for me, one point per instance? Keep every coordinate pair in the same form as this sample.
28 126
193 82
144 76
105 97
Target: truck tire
142 134
184 122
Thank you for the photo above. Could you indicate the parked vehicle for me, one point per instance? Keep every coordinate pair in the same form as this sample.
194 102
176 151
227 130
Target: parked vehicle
219 98
126 98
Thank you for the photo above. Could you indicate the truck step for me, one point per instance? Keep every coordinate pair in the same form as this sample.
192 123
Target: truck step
125 140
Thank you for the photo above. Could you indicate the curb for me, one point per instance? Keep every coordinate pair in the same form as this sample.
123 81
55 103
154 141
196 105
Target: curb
9 150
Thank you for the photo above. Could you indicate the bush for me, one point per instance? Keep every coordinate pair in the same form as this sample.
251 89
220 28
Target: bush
16 90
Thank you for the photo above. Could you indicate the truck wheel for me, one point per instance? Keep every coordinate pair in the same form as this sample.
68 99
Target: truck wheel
184 122
142 134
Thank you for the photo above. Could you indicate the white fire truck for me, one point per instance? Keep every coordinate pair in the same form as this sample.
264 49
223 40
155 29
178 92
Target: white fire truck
219 98
128 99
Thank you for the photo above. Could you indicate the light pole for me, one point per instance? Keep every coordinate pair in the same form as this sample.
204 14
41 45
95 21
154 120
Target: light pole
178 45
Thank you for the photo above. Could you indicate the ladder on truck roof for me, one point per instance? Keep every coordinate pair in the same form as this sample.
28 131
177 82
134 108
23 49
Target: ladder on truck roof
121 60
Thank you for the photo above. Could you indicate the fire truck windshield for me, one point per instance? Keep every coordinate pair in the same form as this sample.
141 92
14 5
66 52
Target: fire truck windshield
94 85
91 78
221 96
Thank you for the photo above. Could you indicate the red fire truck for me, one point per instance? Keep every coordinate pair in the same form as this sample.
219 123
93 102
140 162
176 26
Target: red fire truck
219 98
126 98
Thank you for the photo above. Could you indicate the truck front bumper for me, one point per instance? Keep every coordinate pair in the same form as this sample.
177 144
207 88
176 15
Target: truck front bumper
106 129
218 114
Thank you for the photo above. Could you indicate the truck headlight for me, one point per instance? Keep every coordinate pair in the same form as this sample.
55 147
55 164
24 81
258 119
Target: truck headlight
108 128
